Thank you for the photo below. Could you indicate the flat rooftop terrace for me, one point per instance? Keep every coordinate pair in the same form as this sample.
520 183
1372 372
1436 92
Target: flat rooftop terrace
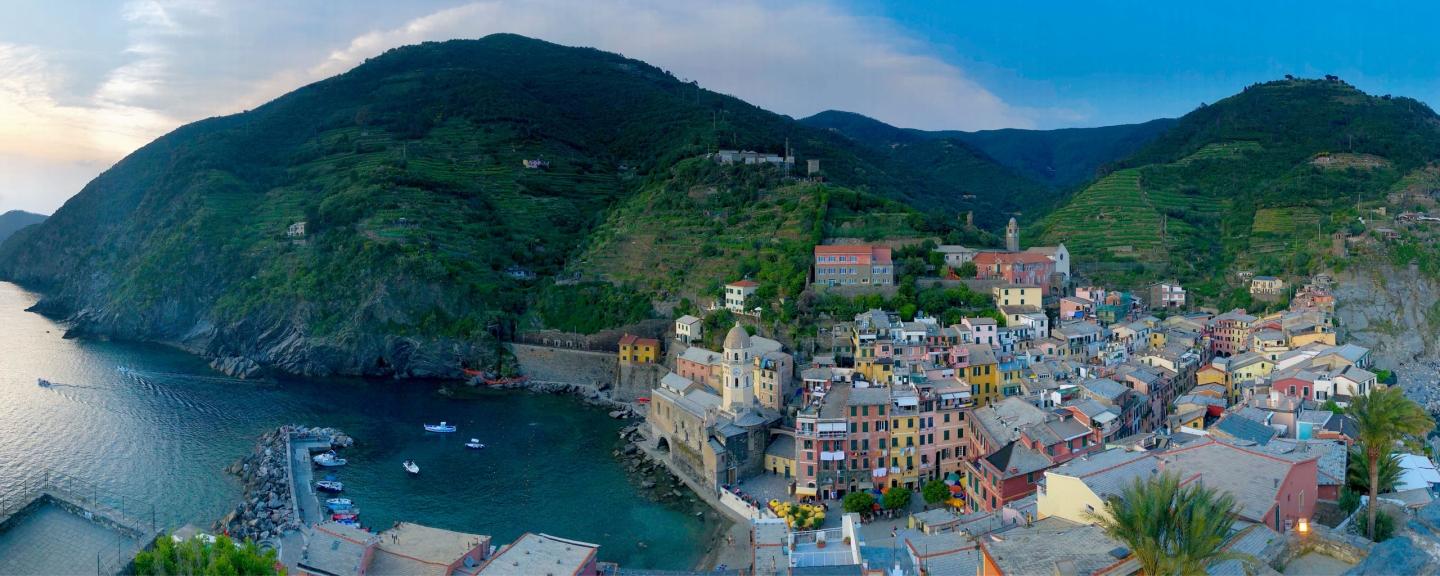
51 540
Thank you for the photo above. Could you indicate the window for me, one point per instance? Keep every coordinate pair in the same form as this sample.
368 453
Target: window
852 427
947 416
946 435
882 409
864 411
854 444
852 414
1029 477
809 445
864 426
909 440
810 470
865 444
894 442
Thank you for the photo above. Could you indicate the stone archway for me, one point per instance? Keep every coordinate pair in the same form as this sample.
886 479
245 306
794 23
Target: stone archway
663 445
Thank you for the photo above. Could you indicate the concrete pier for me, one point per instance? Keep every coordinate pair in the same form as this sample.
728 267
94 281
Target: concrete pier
301 472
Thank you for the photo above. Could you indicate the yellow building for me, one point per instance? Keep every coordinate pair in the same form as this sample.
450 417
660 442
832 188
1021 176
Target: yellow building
1067 492
1016 295
1215 373
780 455
1318 334
983 374
905 445
1248 366
1159 338
637 350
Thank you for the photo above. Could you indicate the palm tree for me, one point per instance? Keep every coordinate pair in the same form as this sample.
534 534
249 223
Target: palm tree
1357 474
1169 527
1382 418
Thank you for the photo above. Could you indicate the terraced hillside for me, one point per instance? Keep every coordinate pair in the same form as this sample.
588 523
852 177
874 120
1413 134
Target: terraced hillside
1109 221
712 223
1257 181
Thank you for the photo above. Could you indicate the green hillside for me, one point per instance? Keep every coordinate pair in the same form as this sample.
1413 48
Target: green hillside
1257 181
12 221
422 223
1054 158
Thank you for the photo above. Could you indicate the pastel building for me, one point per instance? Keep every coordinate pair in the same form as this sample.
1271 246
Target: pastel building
854 265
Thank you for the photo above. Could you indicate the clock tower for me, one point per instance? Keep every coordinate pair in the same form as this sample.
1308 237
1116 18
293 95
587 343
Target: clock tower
738 392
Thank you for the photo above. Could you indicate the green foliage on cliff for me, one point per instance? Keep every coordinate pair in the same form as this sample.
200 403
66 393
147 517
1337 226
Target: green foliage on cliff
1257 181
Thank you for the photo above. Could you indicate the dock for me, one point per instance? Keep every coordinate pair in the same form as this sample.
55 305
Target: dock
300 471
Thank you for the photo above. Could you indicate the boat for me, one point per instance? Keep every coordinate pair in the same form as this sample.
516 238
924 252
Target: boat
339 502
474 444
344 516
338 507
411 467
329 459
44 383
441 427
330 486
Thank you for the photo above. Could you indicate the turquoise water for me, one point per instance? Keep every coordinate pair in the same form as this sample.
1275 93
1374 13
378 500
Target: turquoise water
165 433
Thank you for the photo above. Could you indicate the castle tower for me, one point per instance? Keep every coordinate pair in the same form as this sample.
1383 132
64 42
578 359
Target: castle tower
738 392
1012 236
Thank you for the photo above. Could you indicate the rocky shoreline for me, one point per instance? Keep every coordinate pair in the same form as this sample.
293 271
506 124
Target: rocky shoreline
267 508
585 393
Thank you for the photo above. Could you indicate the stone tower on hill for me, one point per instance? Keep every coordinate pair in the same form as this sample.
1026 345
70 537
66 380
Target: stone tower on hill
1012 236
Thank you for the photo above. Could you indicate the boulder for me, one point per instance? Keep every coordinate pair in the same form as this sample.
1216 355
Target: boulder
1394 556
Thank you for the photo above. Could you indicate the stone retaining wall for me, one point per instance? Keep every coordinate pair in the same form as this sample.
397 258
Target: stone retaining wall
597 369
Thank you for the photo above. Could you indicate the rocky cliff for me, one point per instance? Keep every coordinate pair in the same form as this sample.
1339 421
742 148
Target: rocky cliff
1391 311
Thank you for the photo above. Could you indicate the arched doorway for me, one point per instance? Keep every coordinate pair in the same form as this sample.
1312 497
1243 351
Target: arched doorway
663 445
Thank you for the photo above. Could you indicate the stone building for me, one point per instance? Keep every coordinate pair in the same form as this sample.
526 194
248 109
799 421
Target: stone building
715 439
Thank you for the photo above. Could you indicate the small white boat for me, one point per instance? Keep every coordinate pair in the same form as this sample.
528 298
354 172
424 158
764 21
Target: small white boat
338 502
474 444
411 467
329 459
441 427
330 486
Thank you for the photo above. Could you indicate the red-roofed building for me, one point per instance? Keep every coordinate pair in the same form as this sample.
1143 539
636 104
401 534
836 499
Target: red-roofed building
737 292
1015 268
637 350
854 265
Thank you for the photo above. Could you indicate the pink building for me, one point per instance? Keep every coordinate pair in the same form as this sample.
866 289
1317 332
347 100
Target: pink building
1016 268
982 330
1073 307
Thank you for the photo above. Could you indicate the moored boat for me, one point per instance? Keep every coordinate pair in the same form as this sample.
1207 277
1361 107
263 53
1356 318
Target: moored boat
412 467
339 502
441 427
345 516
474 444
330 486
329 459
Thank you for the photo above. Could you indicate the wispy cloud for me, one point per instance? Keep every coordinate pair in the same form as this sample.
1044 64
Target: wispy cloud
795 58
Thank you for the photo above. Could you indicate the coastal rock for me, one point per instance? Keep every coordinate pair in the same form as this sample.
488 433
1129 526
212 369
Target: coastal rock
236 367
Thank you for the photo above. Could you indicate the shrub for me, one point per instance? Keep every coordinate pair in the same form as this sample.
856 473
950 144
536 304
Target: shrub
1384 526
1349 500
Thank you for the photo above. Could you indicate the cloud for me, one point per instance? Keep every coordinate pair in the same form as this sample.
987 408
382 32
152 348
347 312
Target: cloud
793 58
184 60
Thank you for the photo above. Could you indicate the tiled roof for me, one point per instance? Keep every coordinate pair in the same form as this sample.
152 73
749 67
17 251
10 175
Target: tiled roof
747 283
868 397
1333 456
1009 258
700 355
336 549
949 553
1251 542
687 319
540 554
1105 388
1253 479
1002 418
1015 459
783 446
1035 549
1242 428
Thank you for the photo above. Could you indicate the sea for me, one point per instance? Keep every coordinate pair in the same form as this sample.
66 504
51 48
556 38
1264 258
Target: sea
158 427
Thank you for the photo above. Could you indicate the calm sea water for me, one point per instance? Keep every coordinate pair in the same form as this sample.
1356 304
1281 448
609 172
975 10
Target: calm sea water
166 431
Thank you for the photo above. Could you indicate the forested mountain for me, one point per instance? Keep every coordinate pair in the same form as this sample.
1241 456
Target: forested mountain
1258 181
12 221
422 223
1054 158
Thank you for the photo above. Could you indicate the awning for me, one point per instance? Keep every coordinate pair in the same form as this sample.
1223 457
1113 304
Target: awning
804 491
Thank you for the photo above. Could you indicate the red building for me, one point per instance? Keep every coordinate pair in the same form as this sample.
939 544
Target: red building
1015 268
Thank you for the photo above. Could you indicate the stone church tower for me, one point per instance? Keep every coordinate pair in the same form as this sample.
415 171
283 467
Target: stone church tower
738 392
1012 236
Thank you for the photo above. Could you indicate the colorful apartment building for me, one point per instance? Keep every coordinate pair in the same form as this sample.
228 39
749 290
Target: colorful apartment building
854 265
982 371
1016 268
1017 295
1229 332
737 292
774 372
637 350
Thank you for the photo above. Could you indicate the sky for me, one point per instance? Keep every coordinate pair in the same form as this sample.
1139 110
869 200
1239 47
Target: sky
84 84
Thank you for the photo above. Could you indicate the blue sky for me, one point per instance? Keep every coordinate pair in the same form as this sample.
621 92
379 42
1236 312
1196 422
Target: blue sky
84 84
1124 62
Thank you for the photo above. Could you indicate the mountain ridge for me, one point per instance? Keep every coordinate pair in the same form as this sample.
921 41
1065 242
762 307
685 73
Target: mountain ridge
15 220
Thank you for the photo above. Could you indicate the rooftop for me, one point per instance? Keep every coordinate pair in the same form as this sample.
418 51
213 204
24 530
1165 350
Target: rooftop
1253 478
336 548
540 554
867 397
1035 549
429 544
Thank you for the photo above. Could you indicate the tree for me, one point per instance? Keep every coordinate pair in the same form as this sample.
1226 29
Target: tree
1331 406
1357 477
1382 418
858 503
195 556
1171 529
935 492
967 270
896 498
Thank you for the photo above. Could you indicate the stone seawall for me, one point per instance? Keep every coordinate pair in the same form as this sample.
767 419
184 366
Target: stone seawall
596 369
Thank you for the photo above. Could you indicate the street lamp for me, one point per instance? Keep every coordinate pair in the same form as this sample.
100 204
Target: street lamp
1304 526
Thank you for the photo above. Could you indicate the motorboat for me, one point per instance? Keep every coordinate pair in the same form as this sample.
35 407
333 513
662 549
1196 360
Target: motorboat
44 383
330 486
411 467
329 459
338 502
339 507
345 516
474 444
441 427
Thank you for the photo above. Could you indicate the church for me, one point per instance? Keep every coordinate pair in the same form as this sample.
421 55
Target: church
716 439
